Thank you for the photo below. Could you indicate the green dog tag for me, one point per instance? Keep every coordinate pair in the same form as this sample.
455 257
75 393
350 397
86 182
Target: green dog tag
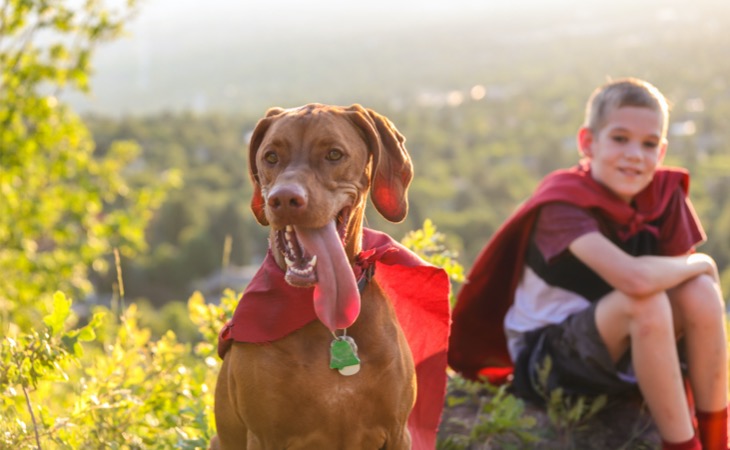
343 353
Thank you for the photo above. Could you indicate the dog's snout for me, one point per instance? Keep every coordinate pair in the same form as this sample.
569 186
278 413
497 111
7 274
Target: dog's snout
289 197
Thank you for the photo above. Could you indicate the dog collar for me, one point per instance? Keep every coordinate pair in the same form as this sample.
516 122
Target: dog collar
365 278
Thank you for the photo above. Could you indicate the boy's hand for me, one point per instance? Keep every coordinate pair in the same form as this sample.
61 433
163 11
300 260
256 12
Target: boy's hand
706 260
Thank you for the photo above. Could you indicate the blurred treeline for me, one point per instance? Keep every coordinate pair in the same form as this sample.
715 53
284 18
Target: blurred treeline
466 181
502 114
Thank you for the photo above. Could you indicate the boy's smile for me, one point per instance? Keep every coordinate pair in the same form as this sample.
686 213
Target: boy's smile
626 151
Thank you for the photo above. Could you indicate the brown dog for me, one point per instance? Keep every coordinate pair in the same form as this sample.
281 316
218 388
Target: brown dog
312 169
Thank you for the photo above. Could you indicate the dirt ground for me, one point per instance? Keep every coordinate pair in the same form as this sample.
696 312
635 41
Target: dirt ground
623 424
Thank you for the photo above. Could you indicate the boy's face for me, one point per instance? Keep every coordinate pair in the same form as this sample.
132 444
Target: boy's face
625 153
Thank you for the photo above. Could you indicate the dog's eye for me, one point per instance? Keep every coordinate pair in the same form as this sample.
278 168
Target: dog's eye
334 154
271 158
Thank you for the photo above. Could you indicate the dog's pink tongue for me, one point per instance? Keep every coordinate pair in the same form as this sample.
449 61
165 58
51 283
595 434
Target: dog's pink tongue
336 297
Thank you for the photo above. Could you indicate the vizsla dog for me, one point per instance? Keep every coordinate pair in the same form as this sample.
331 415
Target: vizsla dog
346 380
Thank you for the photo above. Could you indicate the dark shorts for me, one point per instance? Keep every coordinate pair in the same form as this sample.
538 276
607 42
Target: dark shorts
580 362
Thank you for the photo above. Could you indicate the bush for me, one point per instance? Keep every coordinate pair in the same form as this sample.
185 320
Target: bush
108 384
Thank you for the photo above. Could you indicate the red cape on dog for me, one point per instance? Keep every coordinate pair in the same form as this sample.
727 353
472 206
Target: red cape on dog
270 309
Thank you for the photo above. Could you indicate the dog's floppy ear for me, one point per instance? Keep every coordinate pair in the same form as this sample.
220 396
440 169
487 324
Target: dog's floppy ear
392 170
257 200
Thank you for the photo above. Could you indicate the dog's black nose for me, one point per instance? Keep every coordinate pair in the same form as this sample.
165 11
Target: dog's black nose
288 197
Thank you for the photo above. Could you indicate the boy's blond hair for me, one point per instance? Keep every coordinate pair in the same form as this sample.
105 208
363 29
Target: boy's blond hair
624 92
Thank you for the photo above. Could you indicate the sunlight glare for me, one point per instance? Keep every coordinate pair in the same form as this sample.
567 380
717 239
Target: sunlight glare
478 92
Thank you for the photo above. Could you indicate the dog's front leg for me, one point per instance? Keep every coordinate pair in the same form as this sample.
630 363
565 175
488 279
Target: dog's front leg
232 431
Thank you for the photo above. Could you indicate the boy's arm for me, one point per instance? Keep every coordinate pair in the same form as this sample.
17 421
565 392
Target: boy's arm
638 276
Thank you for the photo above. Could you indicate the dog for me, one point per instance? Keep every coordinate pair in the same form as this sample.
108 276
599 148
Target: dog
332 369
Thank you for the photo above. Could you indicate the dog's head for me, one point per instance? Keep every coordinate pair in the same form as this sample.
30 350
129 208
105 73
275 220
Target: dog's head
389 161
312 168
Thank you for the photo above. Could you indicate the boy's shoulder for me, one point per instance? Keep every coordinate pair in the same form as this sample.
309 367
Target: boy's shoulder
669 178
576 186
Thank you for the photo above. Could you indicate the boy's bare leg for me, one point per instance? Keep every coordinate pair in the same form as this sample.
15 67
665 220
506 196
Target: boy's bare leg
646 324
699 314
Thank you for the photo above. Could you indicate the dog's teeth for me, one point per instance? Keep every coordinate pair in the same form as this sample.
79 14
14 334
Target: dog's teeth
289 228
312 262
289 262
300 272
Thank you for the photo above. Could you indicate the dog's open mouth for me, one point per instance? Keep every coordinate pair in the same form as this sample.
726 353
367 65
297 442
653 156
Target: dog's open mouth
301 262
316 257
299 266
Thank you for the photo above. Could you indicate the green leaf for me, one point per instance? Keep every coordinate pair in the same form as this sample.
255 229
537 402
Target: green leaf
86 334
69 342
61 311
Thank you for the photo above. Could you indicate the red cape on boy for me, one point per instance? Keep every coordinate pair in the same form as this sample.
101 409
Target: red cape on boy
270 309
477 345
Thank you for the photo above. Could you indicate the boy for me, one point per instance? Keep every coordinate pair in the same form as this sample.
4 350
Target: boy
597 272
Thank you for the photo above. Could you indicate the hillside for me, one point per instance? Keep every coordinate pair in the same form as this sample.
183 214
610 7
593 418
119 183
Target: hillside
489 101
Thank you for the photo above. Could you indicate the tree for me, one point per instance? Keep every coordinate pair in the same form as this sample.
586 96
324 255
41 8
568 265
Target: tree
62 208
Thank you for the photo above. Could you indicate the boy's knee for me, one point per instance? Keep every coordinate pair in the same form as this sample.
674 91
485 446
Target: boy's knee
705 286
702 298
700 292
652 312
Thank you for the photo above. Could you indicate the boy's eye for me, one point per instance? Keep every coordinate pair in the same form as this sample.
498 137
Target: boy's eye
650 144
620 139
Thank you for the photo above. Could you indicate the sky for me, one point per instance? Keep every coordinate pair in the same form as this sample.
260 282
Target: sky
180 45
